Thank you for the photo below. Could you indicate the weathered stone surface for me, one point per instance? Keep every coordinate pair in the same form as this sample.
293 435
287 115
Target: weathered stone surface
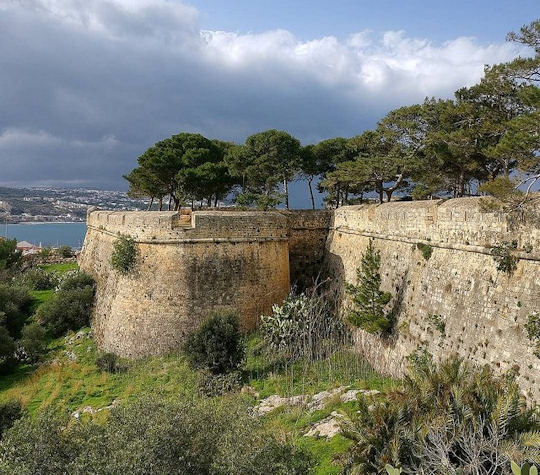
319 400
328 427
273 402
232 260
484 309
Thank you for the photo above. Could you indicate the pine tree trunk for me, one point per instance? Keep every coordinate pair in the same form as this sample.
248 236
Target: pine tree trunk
150 204
286 190
311 193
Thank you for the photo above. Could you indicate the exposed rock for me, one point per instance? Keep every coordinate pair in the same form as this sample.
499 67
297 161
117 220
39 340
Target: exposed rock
70 355
273 402
319 400
327 427
90 410
352 394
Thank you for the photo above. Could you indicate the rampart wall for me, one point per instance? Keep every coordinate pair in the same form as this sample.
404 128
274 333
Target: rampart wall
189 264
483 309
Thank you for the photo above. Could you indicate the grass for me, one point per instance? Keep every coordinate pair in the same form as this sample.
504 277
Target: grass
344 368
60 268
71 380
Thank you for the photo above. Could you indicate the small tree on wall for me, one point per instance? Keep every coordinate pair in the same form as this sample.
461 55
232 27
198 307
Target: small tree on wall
369 301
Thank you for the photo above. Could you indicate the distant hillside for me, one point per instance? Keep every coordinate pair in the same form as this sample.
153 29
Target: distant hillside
59 204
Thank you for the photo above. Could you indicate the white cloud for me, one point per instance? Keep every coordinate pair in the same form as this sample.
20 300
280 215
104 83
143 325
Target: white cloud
79 71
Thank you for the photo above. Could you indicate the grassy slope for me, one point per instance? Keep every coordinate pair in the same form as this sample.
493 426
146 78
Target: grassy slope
70 379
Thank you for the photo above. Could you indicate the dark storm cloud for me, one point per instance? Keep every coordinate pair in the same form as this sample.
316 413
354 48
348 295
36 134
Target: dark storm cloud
85 87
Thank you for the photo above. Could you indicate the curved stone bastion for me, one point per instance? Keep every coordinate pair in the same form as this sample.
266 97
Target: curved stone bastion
187 265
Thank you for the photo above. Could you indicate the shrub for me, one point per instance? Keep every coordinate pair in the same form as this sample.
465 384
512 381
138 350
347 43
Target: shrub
38 279
9 255
368 300
110 363
65 251
66 310
446 418
75 279
10 412
211 384
7 350
151 435
305 325
502 255
15 303
32 344
425 249
216 344
124 255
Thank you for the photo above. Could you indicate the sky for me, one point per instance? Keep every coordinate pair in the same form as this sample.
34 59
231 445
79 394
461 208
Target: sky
87 85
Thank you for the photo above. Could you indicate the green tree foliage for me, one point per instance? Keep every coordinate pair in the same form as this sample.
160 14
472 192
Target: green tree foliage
9 255
217 344
70 306
184 167
266 159
368 300
445 418
151 435
124 255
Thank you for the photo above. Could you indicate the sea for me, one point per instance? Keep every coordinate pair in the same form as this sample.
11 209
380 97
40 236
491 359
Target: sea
46 234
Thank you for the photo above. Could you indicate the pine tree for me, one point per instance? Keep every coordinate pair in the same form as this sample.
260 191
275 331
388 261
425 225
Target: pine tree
367 297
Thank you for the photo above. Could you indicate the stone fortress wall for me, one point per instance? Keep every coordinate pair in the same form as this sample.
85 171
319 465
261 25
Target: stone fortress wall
189 264
484 310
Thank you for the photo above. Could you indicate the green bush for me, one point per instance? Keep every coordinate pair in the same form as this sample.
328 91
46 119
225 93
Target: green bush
38 279
15 305
447 418
217 344
32 345
75 279
10 412
66 310
124 255
151 435
7 350
425 249
211 384
65 251
305 325
110 363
